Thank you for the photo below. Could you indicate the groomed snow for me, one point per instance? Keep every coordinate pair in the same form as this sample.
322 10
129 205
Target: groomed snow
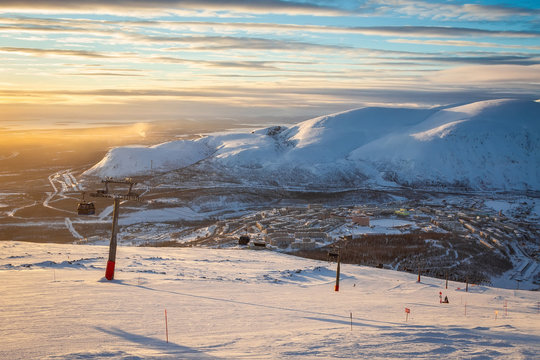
232 304
492 144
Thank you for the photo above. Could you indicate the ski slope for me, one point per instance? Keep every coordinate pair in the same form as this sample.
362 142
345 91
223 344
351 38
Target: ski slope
245 304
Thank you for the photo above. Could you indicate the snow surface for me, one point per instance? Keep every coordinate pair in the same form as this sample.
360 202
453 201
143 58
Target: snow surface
491 144
234 303
531 206
377 226
138 159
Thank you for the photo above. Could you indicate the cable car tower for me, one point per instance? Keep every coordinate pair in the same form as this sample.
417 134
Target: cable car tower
116 196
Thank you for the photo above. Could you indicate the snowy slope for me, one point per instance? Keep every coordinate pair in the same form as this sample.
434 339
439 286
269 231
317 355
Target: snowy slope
488 144
493 144
244 304
130 160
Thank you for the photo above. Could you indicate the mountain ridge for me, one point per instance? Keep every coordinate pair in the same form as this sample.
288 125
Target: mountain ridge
492 144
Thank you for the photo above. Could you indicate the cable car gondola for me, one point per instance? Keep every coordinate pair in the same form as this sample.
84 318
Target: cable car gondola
85 207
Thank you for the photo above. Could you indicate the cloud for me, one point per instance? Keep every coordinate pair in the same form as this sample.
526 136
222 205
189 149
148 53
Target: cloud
55 52
214 43
171 6
270 93
221 104
133 57
446 10
129 28
462 43
479 58
527 77
145 8
102 74
240 64
440 31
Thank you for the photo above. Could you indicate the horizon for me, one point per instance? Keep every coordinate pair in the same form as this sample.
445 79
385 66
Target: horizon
67 65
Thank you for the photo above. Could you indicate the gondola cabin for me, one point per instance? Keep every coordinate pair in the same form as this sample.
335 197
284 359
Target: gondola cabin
86 208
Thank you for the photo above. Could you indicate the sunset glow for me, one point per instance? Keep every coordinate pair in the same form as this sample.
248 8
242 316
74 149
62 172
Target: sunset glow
71 62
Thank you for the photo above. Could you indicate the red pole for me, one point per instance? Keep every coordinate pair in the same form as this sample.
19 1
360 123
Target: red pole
166 327
109 272
418 274
336 288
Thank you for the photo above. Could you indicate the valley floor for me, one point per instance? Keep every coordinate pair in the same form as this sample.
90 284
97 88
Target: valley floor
245 304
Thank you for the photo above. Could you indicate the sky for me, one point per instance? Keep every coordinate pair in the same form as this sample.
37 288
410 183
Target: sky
70 63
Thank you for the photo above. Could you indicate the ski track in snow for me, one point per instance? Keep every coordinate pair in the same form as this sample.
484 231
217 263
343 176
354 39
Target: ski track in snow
69 225
66 181
14 211
106 212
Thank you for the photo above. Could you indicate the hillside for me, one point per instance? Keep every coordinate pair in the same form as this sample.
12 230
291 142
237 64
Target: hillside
245 304
491 144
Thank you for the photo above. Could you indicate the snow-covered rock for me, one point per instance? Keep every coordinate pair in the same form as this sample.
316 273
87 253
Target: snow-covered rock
487 144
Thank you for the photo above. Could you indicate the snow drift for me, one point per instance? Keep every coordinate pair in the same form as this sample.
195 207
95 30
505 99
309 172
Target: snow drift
491 144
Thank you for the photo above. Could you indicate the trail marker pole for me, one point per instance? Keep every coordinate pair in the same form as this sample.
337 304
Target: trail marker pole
166 327
496 313
418 274
351 321
467 284
336 288
407 312
446 276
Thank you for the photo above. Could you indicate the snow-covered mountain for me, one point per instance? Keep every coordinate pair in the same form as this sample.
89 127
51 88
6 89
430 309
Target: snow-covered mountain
491 144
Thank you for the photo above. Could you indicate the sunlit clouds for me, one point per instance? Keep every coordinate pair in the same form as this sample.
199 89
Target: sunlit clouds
247 60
